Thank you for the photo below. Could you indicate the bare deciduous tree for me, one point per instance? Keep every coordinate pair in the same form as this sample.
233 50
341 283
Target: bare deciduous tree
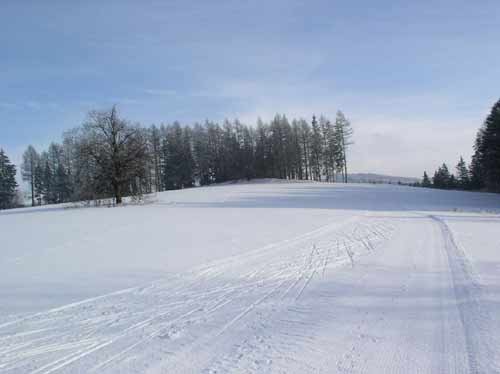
118 149
30 161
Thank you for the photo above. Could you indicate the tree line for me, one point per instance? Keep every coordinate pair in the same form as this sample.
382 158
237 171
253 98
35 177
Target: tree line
110 157
483 172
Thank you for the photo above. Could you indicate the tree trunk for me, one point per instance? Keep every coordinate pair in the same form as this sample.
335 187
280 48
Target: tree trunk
118 193
306 161
32 180
345 168
345 158
32 191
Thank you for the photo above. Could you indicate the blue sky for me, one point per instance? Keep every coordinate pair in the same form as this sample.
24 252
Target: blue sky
415 78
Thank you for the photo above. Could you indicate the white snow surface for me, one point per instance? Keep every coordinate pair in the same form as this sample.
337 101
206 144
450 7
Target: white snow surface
261 277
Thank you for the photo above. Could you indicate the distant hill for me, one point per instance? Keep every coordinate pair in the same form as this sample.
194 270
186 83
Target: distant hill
379 178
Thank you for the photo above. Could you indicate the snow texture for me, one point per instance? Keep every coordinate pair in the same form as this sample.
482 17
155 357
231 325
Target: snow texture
260 277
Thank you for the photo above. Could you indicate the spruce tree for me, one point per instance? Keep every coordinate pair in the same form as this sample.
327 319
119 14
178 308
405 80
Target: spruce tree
61 184
201 155
155 144
489 149
476 174
8 182
426 182
179 163
39 184
306 148
442 178
452 182
188 165
47 182
463 178
316 150
248 153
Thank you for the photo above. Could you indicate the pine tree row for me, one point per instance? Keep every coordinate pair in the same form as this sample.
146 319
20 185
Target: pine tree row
483 172
110 157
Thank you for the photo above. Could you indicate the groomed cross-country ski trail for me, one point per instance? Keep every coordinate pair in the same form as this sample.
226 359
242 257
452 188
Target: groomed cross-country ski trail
371 291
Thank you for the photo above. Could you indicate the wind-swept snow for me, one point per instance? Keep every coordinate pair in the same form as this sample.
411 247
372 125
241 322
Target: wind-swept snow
260 277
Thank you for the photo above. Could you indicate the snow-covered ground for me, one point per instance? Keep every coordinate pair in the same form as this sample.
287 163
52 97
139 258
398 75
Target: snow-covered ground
254 278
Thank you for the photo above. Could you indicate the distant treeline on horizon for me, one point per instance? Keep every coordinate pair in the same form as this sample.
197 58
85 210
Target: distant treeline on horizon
108 156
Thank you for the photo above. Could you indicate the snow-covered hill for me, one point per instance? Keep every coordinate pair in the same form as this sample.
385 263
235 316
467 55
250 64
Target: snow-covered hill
255 277
379 178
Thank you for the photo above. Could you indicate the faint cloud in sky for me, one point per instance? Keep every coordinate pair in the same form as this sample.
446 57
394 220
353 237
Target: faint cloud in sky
415 78
160 92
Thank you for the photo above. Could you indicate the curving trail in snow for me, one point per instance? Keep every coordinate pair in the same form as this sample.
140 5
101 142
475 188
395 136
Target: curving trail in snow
377 291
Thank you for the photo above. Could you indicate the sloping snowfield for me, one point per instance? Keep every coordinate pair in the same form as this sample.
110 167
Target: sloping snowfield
266 277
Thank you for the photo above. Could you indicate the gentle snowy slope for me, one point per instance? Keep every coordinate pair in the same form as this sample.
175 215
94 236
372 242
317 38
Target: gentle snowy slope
269 277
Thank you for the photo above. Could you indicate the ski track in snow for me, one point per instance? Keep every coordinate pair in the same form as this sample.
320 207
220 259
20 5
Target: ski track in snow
428 317
98 333
482 347
380 292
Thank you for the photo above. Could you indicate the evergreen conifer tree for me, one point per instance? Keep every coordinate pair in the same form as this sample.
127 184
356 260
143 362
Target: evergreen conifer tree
8 182
488 149
442 177
344 133
463 178
426 182
316 150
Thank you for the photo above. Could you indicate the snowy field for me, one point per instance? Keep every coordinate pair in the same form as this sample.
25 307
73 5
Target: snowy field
266 277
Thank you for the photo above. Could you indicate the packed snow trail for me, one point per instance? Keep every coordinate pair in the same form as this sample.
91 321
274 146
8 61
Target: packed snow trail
396 311
374 292
187 313
482 347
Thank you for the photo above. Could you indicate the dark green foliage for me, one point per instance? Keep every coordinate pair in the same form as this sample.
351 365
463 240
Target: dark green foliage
476 174
443 179
8 182
316 150
39 184
108 157
426 182
463 177
47 183
486 160
484 169
178 165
